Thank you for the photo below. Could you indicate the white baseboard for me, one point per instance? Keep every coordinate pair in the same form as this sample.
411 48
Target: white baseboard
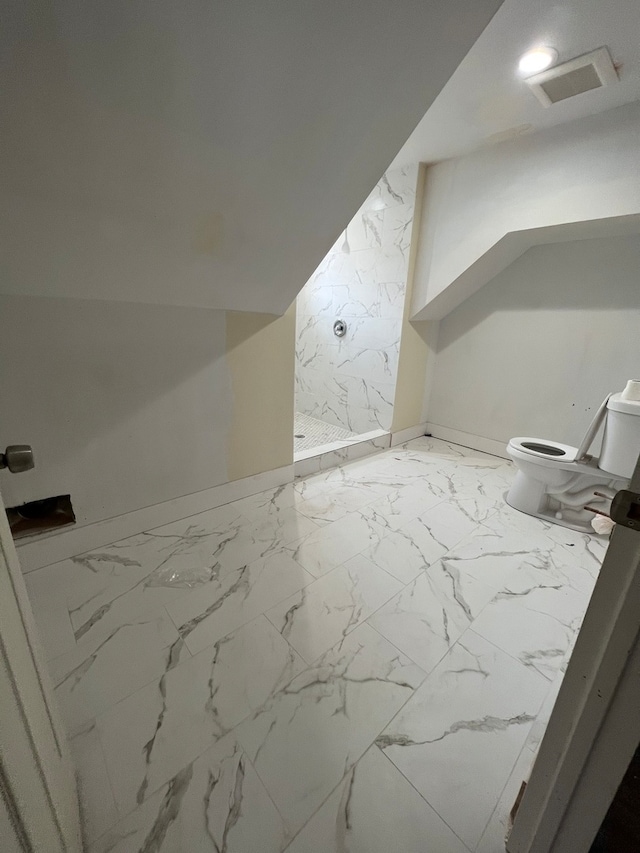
467 439
44 549
329 456
408 434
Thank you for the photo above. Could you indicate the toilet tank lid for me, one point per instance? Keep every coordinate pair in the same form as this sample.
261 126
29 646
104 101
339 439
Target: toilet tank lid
629 407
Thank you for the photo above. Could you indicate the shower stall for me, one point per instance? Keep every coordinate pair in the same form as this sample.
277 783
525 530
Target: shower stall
349 323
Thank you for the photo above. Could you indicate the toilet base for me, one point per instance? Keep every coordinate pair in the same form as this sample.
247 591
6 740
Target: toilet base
551 517
564 503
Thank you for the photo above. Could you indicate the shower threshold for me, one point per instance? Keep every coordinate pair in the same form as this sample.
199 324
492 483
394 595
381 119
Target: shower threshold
335 441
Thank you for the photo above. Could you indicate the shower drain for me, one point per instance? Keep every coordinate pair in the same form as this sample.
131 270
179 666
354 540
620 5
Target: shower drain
300 435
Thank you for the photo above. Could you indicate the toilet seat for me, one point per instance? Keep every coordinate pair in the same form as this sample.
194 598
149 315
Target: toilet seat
552 453
566 485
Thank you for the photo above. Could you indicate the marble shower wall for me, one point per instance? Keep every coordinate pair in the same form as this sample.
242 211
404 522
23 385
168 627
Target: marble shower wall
350 381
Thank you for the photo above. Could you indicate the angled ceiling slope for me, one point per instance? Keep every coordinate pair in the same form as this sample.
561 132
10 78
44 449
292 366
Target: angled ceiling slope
205 153
482 211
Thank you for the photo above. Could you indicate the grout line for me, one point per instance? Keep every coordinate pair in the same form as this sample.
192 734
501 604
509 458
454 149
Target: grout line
435 811
306 667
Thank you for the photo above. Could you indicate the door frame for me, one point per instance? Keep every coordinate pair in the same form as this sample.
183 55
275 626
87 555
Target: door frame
38 796
594 729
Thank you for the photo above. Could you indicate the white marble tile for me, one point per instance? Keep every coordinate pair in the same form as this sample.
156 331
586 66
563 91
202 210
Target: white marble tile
314 730
305 467
499 826
269 503
133 578
333 502
76 595
356 403
464 456
399 507
436 520
47 595
368 300
151 735
373 363
97 805
374 473
499 560
201 548
364 231
215 804
536 638
396 226
539 728
319 616
334 544
138 605
375 810
357 450
316 405
210 612
398 186
579 549
370 417
420 469
365 266
457 739
427 617
329 501
94 676
370 332
406 552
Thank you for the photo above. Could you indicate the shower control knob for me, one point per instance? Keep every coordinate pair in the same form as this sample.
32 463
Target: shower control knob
17 458
339 328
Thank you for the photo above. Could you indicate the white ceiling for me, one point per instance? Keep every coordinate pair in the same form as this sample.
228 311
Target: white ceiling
486 100
204 152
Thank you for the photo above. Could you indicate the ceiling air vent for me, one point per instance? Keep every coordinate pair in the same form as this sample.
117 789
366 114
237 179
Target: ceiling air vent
583 74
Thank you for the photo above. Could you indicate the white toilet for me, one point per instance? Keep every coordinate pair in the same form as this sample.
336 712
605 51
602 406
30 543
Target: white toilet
556 482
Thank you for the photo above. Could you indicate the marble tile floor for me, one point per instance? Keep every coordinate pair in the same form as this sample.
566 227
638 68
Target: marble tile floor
363 660
311 432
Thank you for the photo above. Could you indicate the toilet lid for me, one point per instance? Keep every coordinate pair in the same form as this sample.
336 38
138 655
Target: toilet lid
542 448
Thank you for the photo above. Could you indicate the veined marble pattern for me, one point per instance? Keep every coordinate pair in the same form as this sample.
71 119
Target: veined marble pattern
360 660
350 381
315 433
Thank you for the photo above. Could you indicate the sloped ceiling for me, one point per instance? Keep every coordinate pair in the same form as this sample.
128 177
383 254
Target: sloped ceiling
205 153
486 100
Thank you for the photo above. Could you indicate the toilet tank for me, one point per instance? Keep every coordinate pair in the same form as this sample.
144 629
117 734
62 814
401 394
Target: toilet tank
621 440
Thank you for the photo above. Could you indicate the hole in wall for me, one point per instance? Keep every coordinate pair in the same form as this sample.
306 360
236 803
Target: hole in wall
38 516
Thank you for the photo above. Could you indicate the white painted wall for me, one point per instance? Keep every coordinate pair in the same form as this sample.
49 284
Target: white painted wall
205 153
482 211
538 348
125 405
350 381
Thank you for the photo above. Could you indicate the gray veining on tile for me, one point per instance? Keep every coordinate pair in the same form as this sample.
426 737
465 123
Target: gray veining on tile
350 381
217 804
375 810
152 734
279 664
310 432
311 733
458 737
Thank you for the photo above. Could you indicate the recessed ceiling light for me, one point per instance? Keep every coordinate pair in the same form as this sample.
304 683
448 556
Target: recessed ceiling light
537 60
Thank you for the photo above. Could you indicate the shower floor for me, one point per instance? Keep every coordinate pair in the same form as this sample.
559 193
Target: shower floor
315 433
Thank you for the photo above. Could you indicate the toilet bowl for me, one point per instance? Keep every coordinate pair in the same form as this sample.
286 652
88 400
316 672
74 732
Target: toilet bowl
558 482
552 485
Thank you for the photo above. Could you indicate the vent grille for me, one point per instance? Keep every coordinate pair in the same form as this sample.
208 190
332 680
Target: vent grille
584 74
